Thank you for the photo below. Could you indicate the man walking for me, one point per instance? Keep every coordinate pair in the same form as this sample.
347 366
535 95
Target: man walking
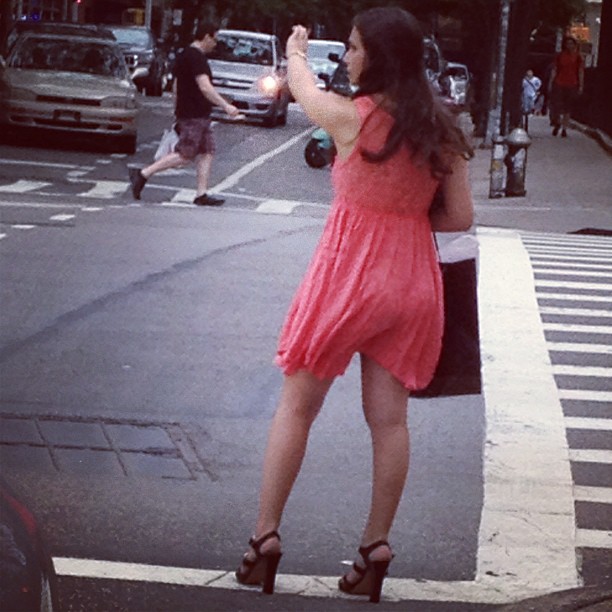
195 97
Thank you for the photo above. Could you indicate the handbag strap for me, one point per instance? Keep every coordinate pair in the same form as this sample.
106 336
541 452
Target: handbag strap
436 244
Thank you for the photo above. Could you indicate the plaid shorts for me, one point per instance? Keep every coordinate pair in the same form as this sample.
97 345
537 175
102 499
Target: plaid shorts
195 137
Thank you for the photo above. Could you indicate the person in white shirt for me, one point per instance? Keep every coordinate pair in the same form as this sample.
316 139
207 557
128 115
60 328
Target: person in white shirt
531 90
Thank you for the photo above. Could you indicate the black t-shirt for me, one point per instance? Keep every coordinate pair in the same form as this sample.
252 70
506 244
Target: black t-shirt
191 103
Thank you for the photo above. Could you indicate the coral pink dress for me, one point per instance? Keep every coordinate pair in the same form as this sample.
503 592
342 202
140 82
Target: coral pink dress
373 285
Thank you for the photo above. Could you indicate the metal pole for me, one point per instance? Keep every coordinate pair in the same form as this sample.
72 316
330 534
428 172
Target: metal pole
148 12
494 119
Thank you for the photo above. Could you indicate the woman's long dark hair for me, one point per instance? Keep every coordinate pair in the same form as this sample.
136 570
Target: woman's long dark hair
395 67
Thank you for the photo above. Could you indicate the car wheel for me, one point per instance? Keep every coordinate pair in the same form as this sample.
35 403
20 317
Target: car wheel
271 120
313 155
154 88
127 144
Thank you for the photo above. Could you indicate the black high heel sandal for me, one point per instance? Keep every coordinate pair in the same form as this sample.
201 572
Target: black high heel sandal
262 569
371 576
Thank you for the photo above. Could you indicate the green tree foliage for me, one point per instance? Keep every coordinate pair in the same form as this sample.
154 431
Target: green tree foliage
560 13
336 16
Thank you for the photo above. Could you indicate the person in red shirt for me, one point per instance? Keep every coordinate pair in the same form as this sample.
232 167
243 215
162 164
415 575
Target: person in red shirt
566 83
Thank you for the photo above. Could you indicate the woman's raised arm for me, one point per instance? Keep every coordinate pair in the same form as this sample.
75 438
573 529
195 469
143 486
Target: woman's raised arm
334 113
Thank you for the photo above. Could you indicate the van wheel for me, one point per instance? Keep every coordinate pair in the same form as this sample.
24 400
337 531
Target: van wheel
282 120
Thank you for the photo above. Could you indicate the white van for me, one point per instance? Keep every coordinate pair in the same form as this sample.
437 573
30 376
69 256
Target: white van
249 71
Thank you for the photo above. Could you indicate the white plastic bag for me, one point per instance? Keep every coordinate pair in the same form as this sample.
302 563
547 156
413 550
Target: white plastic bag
166 144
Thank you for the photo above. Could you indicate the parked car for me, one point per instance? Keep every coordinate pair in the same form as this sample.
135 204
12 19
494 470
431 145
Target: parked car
323 58
55 27
457 84
249 71
27 575
75 84
434 63
145 59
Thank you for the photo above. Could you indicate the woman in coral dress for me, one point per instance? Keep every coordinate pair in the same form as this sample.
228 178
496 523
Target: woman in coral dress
373 286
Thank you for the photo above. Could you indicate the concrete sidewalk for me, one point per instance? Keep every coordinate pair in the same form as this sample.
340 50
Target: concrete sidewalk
568 182
569 188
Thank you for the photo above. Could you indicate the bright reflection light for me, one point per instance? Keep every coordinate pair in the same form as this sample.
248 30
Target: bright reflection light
268 85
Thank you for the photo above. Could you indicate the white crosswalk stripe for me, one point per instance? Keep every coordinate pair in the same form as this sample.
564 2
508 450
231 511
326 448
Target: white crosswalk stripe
586 395
575 312
574 292
573 285
577 328
580 347
22 186
553 271
572 370
541 263
588 423
573 297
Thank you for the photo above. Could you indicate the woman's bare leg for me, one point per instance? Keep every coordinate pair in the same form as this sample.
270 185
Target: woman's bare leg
385 409
300 401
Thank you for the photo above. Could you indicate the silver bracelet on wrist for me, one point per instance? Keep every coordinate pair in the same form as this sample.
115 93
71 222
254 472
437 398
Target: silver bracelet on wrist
299 54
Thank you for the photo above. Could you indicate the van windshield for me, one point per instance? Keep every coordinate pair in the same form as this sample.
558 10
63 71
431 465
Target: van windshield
132 36
243 49
321 51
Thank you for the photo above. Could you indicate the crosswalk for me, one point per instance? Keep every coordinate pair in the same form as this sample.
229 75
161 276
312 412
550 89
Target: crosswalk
85 192
573 283
575 310
99 189
96 196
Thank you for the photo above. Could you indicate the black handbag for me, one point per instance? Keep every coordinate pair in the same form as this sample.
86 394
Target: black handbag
458 369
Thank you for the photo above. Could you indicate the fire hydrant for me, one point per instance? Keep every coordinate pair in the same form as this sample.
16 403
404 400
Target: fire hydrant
497 173
518 142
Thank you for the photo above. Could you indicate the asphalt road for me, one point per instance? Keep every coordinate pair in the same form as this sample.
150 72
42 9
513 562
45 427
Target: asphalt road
136 348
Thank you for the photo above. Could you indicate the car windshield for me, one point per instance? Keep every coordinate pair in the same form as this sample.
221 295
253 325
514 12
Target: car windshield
68 56
127 36
243 49
432 58
457 72
321 51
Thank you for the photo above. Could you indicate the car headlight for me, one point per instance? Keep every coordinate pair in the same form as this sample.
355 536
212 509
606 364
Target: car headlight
119 102
19 93
268 85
